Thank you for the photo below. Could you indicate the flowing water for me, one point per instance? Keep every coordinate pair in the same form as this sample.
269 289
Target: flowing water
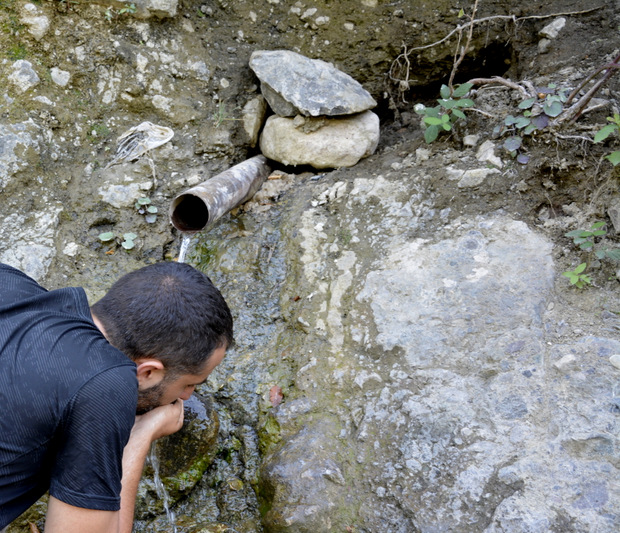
162 493
183 249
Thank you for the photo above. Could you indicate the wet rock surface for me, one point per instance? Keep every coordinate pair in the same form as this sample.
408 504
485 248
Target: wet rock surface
408 355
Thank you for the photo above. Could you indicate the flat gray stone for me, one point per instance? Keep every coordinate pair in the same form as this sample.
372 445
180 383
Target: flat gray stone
295 84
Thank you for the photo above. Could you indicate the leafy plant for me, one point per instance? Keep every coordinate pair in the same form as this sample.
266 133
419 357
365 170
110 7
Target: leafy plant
450 109
107 236
110 13
144 207
585 239
606 131
535 116
128 239
577 277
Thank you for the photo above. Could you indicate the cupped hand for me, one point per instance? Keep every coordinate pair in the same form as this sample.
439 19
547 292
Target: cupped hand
161 421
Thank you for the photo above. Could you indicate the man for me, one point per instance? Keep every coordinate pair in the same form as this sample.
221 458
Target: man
73 378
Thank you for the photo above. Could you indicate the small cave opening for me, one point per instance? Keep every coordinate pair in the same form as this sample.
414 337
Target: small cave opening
426 77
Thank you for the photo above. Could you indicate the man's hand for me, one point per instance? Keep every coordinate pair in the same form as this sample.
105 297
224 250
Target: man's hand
159 422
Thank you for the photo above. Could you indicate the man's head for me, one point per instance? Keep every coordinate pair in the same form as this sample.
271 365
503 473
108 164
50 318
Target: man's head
167 312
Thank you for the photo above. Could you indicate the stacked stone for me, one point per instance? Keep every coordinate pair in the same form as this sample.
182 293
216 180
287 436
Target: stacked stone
322 115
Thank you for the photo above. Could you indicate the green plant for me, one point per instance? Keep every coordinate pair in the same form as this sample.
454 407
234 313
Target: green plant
111 13
128 239
221 115
606 131
131 8
577 277
585 239
535 116
144 207
449 110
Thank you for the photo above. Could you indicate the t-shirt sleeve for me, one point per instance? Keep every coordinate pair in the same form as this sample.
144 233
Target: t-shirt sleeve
95 429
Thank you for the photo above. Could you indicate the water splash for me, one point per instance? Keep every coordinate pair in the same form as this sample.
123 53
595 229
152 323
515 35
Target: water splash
183 250
160 489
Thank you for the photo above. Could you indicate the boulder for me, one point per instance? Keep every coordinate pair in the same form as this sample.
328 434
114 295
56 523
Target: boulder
337 142
294 84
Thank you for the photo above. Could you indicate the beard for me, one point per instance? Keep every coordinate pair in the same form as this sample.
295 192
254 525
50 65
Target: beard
149 398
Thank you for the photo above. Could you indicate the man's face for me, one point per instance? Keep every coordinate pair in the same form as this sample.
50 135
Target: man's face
181 387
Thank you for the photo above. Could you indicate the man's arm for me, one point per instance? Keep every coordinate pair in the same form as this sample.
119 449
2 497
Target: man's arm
65 518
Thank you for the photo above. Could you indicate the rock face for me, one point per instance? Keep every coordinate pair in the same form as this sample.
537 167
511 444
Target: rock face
181 458
338 142
294 84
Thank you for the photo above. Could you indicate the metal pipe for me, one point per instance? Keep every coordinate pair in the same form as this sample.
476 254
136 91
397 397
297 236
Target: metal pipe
200 206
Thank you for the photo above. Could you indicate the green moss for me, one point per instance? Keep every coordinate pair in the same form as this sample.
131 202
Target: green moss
269 434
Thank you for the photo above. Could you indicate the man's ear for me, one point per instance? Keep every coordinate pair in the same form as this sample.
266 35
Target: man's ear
150 372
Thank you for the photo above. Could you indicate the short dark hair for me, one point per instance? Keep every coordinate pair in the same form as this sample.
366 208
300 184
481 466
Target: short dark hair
169 311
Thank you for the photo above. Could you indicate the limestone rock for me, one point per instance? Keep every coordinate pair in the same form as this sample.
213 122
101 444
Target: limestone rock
35 20
23 76
340 142
253 117
60 77
294 84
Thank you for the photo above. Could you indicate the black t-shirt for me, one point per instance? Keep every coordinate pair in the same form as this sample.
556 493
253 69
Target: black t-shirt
67 400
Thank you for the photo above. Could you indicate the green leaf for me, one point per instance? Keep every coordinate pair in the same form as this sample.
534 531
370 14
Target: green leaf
598 225
586 245
107 236
613 254
447 104
526 104
432 111
574 233
600 254
151 209
458 113
513 143
444 92
150 219
128 245
464 102
431 133
614 157
447 126
461 13
604 132
522 122
510 120
571 276
433 121
462 90
130 236
599 232
144 201
529 130
553 109
580 268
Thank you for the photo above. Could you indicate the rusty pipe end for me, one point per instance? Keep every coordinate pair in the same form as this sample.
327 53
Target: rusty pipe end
189 213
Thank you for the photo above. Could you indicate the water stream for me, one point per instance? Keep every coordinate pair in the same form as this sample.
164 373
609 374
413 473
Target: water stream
183 249
160 489
162 493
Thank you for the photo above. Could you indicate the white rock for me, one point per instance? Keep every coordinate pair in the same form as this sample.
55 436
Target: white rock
253 117
551 30
615 360
37 22
23 76
486 153
340 142
60 77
